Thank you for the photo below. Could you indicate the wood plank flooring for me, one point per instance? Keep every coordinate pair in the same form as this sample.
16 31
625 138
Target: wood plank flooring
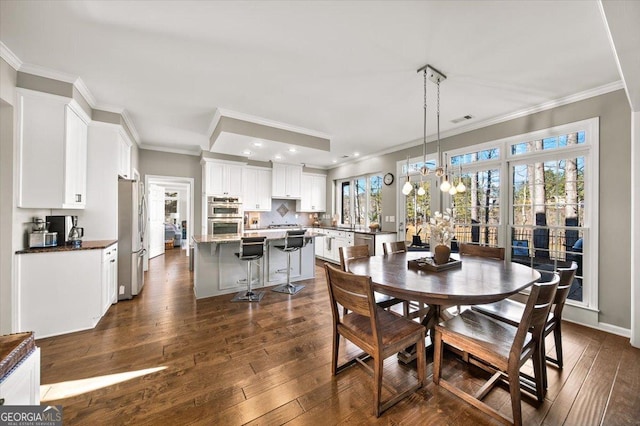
267 363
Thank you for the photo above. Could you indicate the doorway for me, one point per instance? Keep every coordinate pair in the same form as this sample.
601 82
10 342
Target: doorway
170 215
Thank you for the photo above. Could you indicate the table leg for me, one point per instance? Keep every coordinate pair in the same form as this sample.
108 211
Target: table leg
434 315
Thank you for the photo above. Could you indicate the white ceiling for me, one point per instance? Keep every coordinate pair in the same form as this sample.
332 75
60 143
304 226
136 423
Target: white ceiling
346 69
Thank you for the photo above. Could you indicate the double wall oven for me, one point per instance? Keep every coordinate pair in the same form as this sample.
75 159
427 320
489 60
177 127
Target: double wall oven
224 216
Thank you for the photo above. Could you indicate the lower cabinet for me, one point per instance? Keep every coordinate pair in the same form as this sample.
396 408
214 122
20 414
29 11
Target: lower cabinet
64 291
22 385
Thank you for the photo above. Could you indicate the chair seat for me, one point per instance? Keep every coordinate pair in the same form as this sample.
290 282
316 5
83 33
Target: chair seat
506 310
252 257
485 332
283 248
394 327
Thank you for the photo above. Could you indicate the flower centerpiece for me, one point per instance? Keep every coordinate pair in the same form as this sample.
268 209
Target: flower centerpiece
442 229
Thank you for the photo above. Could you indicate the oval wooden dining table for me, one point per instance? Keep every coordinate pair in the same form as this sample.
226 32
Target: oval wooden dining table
478 280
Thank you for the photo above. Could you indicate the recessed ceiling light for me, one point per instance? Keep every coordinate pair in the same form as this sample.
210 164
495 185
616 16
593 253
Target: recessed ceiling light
356 154
334 161
277 156
246 152
257 143
292 150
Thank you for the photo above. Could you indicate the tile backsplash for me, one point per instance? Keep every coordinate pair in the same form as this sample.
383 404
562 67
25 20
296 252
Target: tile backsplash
282 212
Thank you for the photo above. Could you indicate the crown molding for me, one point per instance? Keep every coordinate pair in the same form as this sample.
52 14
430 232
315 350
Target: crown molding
132 128
221 112
197 151
85 92
48 73
597 91
10 57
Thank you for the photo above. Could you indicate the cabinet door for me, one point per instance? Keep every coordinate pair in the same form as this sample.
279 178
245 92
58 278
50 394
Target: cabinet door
279 181
215 179
233 180
75 167
318 194
124 157
306 194
294 178
264 190
250 189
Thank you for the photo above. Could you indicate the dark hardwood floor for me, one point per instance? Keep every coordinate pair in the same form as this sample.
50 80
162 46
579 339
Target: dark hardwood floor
227 363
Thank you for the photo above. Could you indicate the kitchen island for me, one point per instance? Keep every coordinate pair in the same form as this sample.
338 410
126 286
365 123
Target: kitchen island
218 271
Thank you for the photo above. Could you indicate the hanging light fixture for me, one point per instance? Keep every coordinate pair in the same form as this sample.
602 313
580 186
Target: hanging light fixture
460 187
407 187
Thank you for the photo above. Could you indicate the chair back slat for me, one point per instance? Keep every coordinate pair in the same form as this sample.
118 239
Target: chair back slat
482 251
252 246
294 238
564 287
535 312
394 247
352 252
353 292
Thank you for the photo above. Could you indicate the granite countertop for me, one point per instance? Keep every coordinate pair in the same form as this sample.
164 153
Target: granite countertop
13 349
86 245
271 234
334 228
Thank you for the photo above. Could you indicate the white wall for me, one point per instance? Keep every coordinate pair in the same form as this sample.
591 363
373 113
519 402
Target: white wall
635 229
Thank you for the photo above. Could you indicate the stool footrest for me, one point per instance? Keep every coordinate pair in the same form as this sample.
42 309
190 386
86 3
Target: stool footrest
288 288
248 296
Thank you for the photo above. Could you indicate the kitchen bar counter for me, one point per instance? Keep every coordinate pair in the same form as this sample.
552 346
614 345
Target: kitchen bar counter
86 245
312 229
218 271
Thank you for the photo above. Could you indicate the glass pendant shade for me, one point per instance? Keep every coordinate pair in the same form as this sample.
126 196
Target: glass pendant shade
445 185
461 187
406 189
421 191
453 190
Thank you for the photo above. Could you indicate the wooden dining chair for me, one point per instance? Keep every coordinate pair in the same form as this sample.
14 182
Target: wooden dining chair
348 253
510 311
379 333
394 247
500 348
481 251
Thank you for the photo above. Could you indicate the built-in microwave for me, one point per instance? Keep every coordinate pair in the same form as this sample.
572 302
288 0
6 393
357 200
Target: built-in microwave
224 207
218 226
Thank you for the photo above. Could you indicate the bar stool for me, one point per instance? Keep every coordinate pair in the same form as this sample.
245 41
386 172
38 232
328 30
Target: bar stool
251 248
294 240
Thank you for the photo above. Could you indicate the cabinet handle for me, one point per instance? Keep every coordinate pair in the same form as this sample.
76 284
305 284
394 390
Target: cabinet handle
113 260
78 198
108 253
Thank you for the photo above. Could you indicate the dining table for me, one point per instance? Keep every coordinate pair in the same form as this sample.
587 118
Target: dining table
471 281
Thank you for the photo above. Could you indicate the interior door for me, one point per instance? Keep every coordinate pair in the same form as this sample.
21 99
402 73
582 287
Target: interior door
156 221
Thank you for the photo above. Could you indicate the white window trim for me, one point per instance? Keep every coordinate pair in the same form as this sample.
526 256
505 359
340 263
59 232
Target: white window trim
338 196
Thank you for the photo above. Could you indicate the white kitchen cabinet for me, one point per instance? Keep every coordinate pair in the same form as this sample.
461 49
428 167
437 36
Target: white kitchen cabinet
22 385
222 178
52 153
256 189
286 180
124 157
313 193
60 291
109 283
333 240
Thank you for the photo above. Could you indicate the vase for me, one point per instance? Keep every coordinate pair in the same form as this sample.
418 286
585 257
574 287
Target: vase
416 241
441 254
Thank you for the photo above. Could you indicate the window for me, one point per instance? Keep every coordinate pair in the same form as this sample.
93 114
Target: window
535 194
360 200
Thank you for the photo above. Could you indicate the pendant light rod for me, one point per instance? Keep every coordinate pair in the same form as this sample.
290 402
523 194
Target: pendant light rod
436 77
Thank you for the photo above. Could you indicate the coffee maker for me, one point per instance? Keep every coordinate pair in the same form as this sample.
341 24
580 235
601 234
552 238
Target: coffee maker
67 229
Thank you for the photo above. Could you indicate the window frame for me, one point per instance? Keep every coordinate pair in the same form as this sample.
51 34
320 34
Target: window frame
351 182
505 163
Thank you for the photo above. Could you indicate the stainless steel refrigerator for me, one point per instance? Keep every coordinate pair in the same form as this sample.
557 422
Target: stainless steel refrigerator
131 223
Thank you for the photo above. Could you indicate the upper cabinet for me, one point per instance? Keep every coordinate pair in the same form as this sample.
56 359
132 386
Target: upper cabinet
314 193
52 153
286 181
124 157
256 185
222 178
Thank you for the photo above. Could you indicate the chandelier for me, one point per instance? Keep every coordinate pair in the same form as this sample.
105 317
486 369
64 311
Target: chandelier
442 168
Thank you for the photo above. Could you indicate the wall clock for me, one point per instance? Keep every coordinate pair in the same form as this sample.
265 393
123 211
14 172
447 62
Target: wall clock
388 179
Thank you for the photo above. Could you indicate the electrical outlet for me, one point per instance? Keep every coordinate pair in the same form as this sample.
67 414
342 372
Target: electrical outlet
121 291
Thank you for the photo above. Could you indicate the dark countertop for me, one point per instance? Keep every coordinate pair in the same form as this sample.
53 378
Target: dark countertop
86 245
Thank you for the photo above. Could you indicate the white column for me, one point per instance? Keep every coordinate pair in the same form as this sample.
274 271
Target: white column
635 229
